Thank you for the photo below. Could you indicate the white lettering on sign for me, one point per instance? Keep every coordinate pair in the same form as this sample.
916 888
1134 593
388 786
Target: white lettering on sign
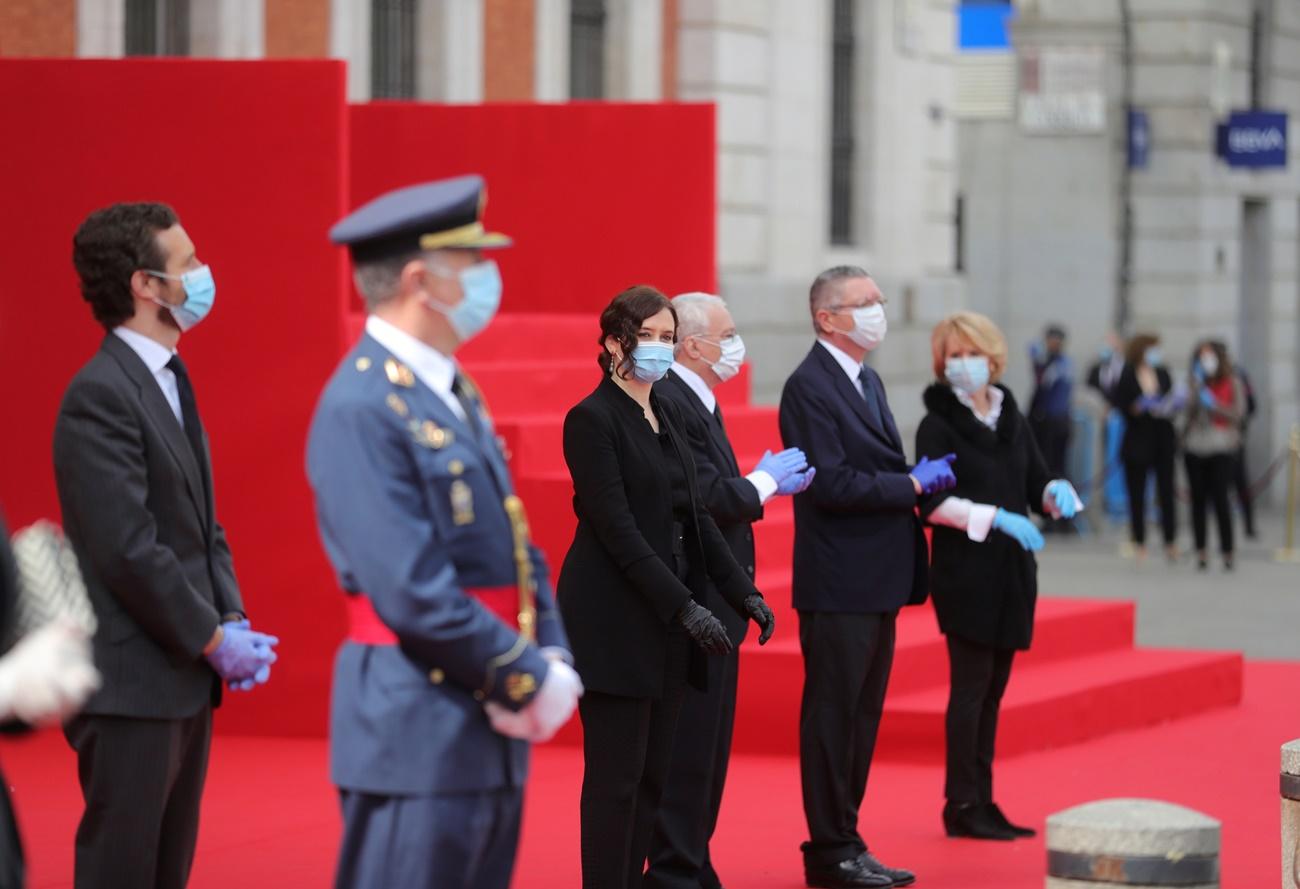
1255 141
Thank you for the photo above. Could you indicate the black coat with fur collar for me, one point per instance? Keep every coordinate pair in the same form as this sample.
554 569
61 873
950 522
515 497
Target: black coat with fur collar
984 592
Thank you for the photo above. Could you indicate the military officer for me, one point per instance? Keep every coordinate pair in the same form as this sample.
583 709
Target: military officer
455 657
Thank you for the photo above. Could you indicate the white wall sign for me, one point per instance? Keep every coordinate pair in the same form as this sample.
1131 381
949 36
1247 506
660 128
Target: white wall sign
1062 91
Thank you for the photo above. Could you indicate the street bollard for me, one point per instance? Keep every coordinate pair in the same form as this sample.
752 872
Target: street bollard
1288 552
1291 815
1122 843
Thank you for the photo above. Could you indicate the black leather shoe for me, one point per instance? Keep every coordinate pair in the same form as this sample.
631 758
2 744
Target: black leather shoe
972 820
996 814
848 874
897 875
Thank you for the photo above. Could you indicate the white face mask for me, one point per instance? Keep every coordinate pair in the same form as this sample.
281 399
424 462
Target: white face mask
1209 363
869 326
732 357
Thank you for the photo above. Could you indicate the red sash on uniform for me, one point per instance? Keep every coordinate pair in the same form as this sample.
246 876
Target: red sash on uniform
365 627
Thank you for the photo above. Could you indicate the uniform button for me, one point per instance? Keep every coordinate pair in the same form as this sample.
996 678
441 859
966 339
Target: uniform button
750 569
436 676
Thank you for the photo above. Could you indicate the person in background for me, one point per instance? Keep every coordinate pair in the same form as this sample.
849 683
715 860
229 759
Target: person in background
455 658
1240 476
635 585
1105 372
1049 406
1103 377
135 482
860 555
709 352
1144 394
983 575
1211 443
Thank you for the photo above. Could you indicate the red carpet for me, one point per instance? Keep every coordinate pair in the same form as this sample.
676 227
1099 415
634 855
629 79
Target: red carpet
270 818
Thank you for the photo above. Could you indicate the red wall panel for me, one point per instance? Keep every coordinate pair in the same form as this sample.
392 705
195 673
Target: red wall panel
597 195
252 157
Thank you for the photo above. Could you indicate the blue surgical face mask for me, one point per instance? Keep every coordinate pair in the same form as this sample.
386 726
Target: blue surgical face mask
1153 356
650 361
969 374
481 286
200 293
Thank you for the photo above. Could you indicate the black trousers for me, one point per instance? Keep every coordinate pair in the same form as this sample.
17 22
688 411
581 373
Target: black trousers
13 871
847 658
1135 480
978 677
1053 437
1210 479
1241 481
142 780
626 747
688 813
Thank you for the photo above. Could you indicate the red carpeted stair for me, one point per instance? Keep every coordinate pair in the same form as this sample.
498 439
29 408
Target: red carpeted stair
1083 678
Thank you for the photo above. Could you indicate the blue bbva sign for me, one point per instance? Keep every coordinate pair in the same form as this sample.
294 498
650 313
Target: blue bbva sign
1253 139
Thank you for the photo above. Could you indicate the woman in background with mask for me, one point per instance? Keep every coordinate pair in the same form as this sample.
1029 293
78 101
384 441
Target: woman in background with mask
983 575
1211 442
629 590
1145 395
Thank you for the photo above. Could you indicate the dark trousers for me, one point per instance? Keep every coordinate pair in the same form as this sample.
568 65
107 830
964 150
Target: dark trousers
1241 481
13 871
441 841
626 747
688 813
142 780
1053 437
1135 479
847 658
978 677
1210 479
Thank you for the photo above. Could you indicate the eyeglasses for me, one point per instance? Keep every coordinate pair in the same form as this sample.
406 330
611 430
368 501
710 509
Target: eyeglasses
835 307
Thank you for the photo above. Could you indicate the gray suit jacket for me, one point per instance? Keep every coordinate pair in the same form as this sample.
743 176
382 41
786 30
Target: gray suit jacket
137 511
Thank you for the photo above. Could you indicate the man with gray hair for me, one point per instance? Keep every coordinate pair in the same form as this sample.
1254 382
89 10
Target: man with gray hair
859 556
708 353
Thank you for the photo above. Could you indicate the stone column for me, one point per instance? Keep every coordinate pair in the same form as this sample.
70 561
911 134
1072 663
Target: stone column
234 29
551 57
350 41
101 28
1291 815
449 51
634 50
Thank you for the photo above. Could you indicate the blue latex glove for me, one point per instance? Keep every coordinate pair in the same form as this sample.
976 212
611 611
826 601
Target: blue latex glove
935 475
1207 397
781 466
244 657
797 483
1019 529
1148 402
1065 498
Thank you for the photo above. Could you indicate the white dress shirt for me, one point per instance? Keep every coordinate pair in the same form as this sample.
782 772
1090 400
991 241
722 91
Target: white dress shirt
431 367
852 369
155 357
761 480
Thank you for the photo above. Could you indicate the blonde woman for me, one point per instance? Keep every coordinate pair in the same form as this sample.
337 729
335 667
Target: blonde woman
983 575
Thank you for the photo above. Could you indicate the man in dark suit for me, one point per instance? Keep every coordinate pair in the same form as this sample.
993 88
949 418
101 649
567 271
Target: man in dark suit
859 556
135 484
708 353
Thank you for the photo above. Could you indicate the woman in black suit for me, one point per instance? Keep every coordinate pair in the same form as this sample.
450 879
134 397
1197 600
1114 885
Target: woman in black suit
984 584
1144 394
630 586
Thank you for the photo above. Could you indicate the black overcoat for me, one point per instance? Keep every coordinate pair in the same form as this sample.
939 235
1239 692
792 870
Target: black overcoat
984 592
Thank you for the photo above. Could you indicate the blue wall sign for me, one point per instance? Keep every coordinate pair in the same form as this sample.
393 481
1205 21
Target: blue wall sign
982 25
1253 139
1139 139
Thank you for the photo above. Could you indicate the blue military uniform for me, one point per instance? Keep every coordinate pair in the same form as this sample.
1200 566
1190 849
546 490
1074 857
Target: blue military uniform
410 503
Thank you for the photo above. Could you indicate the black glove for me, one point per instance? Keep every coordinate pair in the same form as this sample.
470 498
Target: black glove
757 609
705 629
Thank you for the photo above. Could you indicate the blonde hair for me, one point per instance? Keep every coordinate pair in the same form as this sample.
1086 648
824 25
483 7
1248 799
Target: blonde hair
979 332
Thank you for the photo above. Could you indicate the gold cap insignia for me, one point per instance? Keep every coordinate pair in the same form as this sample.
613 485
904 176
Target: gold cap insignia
398 374
395 402
519 686
456 467
363 364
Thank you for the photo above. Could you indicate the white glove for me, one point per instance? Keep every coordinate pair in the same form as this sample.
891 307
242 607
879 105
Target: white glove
48 675
546 713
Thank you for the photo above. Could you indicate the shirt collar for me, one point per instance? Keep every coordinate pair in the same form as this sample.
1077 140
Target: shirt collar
844 360
153 353
697 384
434 369
995 406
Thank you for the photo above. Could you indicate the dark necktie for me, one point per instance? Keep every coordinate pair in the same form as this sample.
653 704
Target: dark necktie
469 404
189 410
873 405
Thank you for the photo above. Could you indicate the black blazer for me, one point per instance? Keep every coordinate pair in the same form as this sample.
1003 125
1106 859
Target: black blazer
858 544
154 557
618 593
1147 437
983 592
731 498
